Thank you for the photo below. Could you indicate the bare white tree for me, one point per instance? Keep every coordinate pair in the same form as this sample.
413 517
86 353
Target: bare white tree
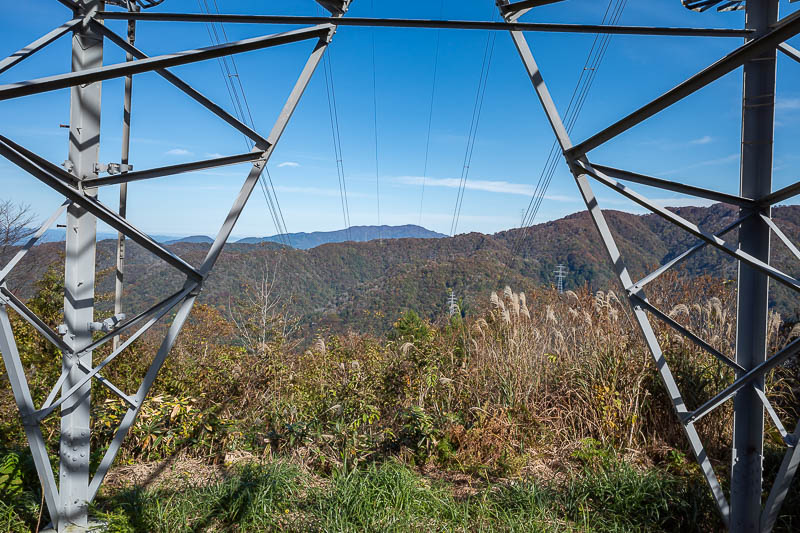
261 314
15 226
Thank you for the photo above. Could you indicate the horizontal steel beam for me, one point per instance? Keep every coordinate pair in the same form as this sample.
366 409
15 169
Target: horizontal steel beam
424 23
522 6
63 81
781 194
193 93
37 45
96 208
786 28
173 169
789 351
675 186
691 228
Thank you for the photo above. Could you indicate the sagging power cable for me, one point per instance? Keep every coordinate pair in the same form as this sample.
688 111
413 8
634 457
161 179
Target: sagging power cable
591 66
430 112
473 128
327 64
233 83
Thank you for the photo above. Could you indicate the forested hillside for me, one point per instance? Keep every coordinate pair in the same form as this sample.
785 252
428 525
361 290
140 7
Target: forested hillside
367 285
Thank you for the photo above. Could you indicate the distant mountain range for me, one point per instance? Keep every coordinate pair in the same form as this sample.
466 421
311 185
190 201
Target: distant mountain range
365 286
301 241
306 241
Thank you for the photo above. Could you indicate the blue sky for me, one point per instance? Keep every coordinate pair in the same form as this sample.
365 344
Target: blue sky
696 141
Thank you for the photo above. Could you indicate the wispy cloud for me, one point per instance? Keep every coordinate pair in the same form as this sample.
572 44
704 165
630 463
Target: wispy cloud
292 164
705 139
214 155
700 164
788 103
178 151
319 191
501 187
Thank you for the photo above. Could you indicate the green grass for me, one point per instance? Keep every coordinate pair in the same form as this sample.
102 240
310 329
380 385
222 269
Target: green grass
393 498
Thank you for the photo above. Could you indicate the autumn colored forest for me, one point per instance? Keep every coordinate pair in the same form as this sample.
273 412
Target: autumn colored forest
528 411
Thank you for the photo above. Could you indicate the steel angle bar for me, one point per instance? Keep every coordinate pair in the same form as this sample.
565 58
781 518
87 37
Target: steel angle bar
423 23
152 372
517 9
130 323
37 45
688 253
56 387
781 235
618 264
790 51
675 186
106 383
97 209
211 258
255 173
31 318
783 480
685 332
162 308
185 87
773 415
786 28
33 240
24 400
173 169
88 76
789 351
780 195
57 171
684 224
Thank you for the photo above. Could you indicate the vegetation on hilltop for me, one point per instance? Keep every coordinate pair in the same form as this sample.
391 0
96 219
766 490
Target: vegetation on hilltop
538 408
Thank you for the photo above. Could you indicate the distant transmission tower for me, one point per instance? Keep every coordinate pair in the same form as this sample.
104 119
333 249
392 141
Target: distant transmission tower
452 303
561 274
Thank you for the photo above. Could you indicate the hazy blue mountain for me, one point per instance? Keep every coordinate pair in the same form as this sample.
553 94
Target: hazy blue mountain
305 241
194 238
59 235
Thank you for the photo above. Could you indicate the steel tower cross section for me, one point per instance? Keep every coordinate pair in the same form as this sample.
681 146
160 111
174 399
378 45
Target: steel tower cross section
766 34
79 277
69 495
758 114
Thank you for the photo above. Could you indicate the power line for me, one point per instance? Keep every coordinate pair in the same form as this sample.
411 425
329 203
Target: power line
375 126
235 88
430 112
578 98
473 129
337 139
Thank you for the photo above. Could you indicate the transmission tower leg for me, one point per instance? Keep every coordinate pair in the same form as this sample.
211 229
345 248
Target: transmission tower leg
758 108
79 280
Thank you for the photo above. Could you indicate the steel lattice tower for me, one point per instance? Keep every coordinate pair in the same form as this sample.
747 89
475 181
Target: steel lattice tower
765 33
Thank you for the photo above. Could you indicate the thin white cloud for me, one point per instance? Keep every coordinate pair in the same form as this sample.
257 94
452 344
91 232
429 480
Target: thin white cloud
705 139
788 103
501 187
214 155
708 162
178 151
292 164
319 191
